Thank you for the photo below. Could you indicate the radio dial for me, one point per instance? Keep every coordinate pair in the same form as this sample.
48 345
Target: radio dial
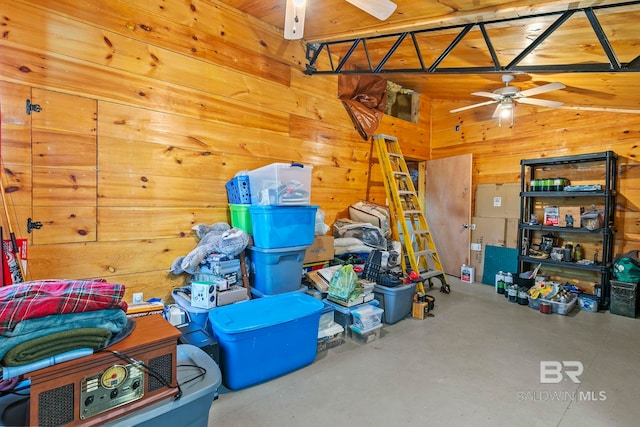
113 376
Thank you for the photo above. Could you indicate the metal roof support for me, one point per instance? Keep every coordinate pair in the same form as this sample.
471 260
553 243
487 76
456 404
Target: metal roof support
613 65
492 51
602 38
449 48
542 37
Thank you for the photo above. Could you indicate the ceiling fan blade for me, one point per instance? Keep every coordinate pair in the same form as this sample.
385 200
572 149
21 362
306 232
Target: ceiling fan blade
541 89
540 102
381 9
468 107
294 19
603 109
488 95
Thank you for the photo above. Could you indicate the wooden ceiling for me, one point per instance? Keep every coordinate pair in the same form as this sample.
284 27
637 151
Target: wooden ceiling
574 42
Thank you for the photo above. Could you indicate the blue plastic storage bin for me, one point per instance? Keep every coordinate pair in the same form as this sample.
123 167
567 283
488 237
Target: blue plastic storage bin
257 294
239 190
265 338
276 271
397 302
283 226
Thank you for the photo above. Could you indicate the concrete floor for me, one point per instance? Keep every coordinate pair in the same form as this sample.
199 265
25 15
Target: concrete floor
476 363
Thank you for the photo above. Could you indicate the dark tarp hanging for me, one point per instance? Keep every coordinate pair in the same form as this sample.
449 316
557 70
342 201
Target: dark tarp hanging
365 98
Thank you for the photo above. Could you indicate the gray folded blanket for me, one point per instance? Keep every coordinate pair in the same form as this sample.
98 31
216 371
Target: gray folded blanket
113 320
56 343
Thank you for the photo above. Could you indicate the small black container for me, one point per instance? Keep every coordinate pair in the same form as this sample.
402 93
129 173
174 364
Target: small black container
522 282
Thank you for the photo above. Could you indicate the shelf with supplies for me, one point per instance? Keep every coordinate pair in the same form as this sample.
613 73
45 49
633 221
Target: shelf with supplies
567 209
596 193
564 264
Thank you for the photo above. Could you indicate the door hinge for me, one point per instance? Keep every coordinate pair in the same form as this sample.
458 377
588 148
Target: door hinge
31 225
32 107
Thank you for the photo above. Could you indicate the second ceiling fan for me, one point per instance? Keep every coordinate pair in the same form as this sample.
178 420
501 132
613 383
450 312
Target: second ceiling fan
295 13
505 97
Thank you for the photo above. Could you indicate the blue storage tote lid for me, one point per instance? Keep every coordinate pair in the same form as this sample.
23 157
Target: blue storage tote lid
278 309
274 255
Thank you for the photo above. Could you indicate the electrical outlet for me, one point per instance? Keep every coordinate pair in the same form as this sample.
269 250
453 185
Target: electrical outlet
137 298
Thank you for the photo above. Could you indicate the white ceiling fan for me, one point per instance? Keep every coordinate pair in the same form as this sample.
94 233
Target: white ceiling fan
505 97
295 11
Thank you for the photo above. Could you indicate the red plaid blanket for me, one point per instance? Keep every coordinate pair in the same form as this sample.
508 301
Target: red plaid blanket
30 300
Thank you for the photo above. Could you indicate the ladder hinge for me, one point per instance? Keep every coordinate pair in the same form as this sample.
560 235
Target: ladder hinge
32 107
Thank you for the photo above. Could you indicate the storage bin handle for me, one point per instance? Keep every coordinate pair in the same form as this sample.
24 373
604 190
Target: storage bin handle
298 165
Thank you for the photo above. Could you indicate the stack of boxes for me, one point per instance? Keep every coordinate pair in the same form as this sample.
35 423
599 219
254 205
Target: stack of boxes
282 224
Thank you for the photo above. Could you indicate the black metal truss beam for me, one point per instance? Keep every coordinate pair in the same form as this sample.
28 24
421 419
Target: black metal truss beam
613 65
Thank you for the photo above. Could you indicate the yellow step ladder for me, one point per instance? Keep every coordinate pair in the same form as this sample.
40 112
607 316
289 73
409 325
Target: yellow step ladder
409 225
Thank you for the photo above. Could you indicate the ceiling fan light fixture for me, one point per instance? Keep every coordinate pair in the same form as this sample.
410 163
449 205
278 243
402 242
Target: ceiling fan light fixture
294 19
505 111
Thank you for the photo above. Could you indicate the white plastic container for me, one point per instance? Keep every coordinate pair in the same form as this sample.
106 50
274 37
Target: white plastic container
467 273
281 184
367 316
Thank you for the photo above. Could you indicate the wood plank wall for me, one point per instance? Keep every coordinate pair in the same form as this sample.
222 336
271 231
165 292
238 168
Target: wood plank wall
189 93
537 133
185 95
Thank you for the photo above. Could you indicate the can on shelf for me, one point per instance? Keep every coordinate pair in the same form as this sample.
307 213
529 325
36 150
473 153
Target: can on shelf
535 185
558 184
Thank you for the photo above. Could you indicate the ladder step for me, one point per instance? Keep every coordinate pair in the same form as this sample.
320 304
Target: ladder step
398 173
422 253
418 232
412 212
431 273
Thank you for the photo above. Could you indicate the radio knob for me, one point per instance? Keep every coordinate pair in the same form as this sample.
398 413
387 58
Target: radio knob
114 393
88 401
135 384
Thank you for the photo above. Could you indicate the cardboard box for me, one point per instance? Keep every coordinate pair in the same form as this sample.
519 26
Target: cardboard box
419 310
10 265
321 250
497 200
488 231
511 233
551 215
569 212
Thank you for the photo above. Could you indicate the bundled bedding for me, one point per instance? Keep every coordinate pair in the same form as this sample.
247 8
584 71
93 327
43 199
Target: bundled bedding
46 322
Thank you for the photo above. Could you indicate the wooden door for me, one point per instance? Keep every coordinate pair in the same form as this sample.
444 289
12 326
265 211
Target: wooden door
448 209
64 158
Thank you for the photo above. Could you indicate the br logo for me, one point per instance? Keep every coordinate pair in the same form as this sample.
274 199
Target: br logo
553 371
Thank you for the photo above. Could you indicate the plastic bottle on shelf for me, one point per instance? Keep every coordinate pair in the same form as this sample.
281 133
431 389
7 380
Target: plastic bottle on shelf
577 252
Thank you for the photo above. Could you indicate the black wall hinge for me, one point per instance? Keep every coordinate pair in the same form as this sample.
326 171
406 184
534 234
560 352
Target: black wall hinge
32 107
31 225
